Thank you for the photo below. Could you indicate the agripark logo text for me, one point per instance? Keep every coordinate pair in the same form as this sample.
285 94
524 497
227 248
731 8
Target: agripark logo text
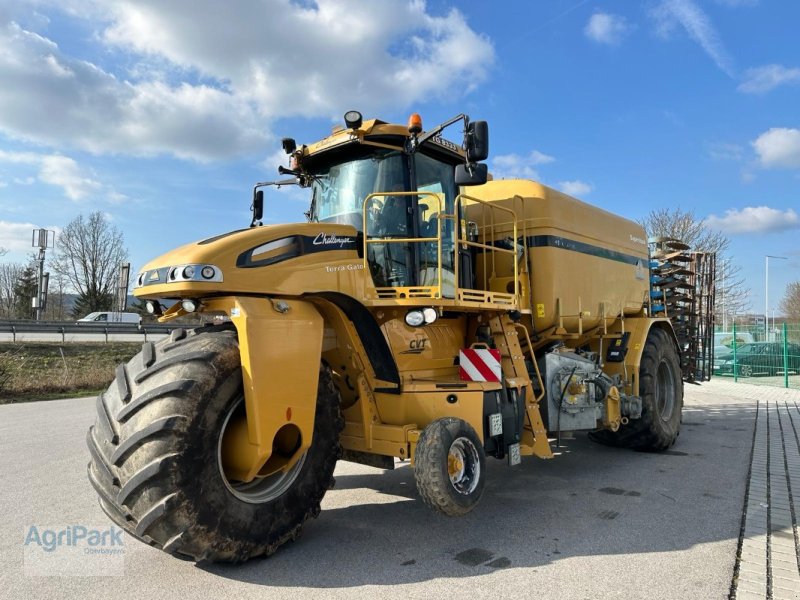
74 551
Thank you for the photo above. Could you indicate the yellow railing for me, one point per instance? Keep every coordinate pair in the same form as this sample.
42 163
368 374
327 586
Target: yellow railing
482 292
487 232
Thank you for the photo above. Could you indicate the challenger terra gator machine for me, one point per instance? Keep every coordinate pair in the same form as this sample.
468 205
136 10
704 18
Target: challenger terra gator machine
423 313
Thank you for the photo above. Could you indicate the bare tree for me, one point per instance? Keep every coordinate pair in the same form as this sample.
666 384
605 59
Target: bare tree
732 295
89 252
57 299
790 304
10 274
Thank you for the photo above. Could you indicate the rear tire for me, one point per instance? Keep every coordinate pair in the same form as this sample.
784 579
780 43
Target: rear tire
155 453
450 466
661 389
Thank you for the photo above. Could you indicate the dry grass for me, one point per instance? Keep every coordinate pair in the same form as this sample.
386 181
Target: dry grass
39 371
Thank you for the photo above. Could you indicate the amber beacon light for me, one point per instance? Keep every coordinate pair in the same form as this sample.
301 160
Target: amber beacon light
415 124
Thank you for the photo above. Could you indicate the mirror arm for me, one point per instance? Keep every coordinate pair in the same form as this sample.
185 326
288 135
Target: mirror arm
439 128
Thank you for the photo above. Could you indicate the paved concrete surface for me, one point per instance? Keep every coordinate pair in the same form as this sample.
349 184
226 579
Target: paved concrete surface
595 522
768 561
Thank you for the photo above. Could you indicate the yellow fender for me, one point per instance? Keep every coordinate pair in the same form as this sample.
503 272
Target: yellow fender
280 343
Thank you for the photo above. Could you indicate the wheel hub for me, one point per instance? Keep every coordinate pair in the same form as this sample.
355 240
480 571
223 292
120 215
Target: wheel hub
261 489
463 465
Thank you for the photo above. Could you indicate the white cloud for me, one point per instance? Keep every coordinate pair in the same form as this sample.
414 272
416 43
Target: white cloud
57 170
515 166
17 236
65 173
778 148
764 79
688 14
754 219
725 151
605 28
207 78
575 187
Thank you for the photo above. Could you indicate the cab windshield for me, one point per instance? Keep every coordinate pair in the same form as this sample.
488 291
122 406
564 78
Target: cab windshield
340 188
339 191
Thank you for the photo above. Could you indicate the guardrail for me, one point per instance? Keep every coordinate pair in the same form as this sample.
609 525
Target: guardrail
71 327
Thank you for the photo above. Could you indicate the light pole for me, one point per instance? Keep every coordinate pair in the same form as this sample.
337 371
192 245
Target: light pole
724 312
766 294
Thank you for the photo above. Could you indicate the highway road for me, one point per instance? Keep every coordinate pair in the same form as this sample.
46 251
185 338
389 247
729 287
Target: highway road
595 522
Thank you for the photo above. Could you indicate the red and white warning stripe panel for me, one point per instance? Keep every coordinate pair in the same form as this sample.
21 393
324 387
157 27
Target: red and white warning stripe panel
479 364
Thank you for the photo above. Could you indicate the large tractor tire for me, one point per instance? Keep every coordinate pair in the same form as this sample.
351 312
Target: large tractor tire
661 389
156 458
450 466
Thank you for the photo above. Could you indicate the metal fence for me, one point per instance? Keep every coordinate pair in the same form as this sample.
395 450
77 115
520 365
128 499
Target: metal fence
60 330
758 354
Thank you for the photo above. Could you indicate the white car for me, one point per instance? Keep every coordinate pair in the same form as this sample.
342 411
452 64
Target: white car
114 318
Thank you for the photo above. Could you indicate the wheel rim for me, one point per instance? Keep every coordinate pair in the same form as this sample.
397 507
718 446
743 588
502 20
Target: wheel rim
463 466
747 370
261 489
665 390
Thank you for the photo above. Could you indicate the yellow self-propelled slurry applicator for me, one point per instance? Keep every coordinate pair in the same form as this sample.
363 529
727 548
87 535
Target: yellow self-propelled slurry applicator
423 313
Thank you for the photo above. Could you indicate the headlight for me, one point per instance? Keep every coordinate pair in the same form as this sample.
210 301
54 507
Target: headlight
176 273
152 307
419 317
430 315
415 318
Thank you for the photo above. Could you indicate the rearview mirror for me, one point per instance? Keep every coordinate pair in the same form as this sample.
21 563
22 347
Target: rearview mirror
477 142
258 207
476 174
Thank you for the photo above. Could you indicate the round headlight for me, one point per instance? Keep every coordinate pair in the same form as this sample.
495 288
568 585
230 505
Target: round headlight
430 315
415 318
189 305
188 272
150 307
208 272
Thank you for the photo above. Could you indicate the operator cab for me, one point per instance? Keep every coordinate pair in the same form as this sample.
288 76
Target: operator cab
399 193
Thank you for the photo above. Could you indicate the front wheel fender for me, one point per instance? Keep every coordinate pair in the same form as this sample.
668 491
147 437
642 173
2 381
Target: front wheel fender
280 345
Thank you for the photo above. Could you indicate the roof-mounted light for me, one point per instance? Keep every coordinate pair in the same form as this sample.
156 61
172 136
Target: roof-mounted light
353 119
414 124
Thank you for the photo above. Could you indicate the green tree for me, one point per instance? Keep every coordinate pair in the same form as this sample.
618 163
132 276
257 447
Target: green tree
89 253
25 290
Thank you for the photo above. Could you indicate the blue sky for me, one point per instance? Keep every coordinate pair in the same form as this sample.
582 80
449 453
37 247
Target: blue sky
163 115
